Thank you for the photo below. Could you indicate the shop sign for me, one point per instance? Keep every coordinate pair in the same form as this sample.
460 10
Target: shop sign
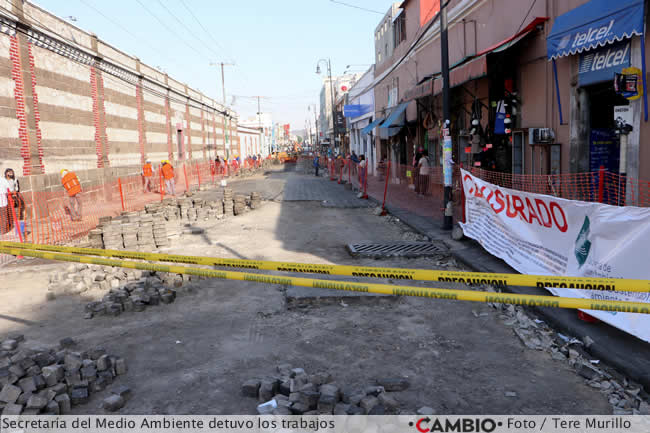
603 63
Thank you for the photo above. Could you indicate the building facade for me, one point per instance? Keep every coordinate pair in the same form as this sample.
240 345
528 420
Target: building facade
360 114
530 93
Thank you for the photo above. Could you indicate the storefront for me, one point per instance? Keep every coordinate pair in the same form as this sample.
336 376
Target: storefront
604 40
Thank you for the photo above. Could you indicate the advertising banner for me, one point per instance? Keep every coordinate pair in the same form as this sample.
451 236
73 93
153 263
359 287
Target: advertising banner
546 235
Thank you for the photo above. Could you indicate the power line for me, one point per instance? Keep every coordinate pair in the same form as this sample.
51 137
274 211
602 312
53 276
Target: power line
169 28
186 27
117 23
232 60
357 7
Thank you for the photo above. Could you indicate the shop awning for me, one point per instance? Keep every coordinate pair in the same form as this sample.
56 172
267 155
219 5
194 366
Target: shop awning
394 116
368 129
594 24
469 68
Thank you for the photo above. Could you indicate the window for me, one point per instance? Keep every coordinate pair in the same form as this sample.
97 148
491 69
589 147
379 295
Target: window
399 29
379 56
386 49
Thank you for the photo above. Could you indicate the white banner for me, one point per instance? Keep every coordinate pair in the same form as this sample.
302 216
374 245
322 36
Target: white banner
546 235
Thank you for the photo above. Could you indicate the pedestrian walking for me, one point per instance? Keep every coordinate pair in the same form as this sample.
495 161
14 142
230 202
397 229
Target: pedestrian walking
72 186
168 175
147 174
316 163
423 174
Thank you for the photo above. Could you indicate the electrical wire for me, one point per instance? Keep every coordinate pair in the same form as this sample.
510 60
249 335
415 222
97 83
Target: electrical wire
169 28
117 23
356 7
207 32
189 30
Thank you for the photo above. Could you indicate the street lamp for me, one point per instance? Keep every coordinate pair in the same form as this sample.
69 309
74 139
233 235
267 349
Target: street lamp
329 75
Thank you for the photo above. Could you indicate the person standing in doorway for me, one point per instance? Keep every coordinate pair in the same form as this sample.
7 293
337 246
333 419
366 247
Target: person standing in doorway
363 170
168 175
72 186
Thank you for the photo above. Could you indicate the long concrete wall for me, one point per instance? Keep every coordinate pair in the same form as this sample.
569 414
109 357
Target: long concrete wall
69 100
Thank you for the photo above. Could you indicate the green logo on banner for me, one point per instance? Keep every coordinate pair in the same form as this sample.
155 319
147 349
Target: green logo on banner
583 244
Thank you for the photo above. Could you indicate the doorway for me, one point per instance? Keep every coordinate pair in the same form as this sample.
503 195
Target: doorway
179 141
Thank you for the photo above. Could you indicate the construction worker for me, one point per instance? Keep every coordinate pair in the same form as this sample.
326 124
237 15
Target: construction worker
71 184
147 173
168 175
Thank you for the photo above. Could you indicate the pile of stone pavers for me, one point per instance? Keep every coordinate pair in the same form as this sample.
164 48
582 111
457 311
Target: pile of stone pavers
51 381
291 391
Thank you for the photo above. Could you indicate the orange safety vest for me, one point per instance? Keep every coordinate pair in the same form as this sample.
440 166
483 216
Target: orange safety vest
71 184
168 171
147 170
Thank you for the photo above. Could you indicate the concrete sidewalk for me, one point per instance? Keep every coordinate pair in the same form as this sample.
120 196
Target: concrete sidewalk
626 353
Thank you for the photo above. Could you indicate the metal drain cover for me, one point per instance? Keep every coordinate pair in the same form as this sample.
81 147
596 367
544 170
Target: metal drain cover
398 249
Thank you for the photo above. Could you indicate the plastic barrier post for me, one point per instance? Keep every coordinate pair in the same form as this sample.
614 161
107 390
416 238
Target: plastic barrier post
331 170
365 182
198 174
340 172
187 185
350 171
119 184
162 184
383 204
601 183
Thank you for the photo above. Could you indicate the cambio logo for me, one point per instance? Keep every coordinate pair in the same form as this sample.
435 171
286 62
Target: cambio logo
461 425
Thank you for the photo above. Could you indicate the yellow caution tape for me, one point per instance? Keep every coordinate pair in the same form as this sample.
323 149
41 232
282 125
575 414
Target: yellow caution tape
424 292
472 278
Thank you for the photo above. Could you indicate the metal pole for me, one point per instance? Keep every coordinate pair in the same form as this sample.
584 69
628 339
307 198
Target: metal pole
223 85
444 49
329 73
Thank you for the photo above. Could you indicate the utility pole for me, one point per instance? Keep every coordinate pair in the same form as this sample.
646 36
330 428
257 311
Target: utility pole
447 148
223 92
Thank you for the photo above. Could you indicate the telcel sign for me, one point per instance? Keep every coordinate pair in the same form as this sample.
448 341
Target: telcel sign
602 64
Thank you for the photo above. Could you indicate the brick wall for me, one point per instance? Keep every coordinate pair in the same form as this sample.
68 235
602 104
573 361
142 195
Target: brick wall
89 107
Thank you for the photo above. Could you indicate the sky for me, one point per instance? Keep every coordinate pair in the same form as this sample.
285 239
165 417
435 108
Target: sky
275 45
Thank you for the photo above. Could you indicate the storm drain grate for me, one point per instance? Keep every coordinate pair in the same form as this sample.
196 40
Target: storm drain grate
398 249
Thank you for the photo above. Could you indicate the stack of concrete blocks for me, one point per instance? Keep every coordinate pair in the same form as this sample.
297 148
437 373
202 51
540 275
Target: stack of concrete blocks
95 238
160 230
256 200
146 240
240 204
112 235
185 204
50 381
130 234
227 202
217 208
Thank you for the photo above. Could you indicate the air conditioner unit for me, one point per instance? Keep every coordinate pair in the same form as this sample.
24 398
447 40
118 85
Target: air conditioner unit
540 135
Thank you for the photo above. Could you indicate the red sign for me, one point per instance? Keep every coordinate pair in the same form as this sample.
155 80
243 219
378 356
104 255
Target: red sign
344 88
428 9
287 127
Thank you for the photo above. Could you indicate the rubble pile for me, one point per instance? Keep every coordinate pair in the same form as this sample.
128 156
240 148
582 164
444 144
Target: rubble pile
625 397
133 296
51 381
294 392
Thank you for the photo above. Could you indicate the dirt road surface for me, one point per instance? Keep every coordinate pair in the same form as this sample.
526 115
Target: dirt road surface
192 356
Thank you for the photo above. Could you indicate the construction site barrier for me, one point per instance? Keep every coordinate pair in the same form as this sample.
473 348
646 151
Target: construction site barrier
425 292
475 278
47 215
